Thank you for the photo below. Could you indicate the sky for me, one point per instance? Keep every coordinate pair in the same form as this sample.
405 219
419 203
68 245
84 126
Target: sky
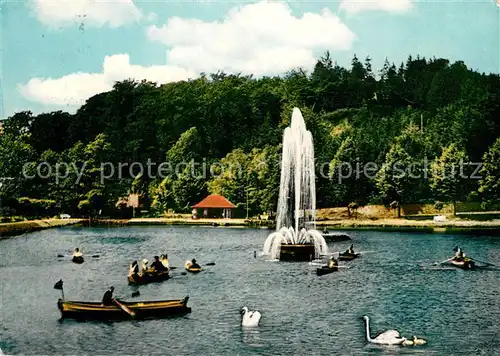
56 54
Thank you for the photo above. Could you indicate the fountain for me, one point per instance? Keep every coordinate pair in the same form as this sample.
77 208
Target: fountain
296 237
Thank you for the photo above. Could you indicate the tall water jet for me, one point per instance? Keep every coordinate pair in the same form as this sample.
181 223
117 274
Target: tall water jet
295 238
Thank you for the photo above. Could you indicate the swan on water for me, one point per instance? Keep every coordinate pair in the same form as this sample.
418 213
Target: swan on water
417 341
250 317
389 337
414 342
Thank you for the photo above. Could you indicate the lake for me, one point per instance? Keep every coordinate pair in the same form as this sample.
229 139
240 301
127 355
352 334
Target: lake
456 311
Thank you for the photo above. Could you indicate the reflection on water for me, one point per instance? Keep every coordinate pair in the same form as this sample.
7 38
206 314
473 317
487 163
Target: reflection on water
301 312
251 337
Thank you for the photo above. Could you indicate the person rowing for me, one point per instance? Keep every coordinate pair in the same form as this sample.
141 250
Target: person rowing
332 263
144 266
164 261
459 254
194 264
77 253
134 269
107 299
157 266
350 250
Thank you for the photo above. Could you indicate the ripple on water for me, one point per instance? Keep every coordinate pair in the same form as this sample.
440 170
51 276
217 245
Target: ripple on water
301 312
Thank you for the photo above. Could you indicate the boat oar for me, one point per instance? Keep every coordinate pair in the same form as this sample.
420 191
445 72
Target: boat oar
486 263
440 263
210 264
124 308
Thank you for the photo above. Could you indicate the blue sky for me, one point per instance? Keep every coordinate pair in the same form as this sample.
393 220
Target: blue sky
53 52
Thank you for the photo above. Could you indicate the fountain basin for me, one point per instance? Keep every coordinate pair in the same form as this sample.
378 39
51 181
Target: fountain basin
297 252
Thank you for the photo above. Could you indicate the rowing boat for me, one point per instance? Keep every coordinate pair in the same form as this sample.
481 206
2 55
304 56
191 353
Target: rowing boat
148 277
193 269
463 263
77 259
348 256
325 270
142 310
188 265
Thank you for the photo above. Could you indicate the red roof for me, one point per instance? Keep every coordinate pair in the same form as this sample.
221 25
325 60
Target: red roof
215 201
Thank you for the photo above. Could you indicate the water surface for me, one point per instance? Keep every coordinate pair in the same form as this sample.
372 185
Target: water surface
457 311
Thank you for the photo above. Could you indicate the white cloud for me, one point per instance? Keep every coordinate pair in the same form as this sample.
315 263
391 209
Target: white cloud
396 6
74 89
112 13
260 38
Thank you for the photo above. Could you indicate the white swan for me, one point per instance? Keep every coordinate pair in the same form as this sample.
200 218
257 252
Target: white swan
250 317
414 342
417 341
389 337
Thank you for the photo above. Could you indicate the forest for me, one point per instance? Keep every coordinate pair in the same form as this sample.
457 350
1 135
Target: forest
439 118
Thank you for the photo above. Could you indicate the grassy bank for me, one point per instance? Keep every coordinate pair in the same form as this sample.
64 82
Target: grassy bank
491 227
21 227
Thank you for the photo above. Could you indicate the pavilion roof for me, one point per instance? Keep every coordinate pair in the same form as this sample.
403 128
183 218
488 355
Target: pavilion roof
215 201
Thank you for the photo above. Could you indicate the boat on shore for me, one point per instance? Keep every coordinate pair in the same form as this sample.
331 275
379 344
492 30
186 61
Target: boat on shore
148 277
466 263
142 310
325 270
348 256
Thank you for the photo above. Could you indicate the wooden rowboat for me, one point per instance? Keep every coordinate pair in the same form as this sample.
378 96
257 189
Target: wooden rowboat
325 270
188 267
463 263
77 259
348 256
193 270
148 277
142 310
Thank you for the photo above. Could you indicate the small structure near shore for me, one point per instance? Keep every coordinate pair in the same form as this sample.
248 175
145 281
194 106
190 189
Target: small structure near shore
214 206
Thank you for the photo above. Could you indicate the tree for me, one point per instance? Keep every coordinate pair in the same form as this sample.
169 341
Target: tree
490 184
393 180
448 180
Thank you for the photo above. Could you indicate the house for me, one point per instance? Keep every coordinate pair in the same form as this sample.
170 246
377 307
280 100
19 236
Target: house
214 206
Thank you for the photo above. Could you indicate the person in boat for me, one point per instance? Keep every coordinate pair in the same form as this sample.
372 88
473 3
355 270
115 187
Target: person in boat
107 299
134 269
459 254
157 266
332 263
77 253
164 261
325 230
144 266
350 250
194 264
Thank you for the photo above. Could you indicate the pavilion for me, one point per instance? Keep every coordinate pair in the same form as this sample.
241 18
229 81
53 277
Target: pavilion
214 206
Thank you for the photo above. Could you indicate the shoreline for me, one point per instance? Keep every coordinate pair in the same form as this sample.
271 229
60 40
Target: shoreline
457 226
402 225
21 227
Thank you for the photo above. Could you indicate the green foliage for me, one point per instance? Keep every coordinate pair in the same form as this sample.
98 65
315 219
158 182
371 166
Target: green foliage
410 112
448 180
490 184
